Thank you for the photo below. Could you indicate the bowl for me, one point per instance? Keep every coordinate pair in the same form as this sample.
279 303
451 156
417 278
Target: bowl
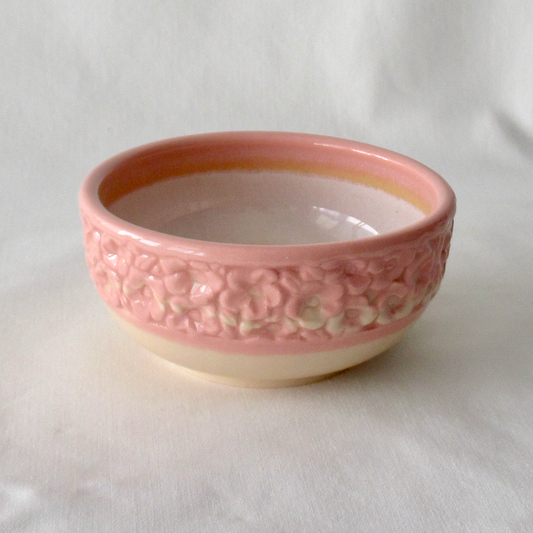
265 259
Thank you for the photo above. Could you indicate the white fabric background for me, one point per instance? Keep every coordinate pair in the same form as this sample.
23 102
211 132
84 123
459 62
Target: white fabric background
98 435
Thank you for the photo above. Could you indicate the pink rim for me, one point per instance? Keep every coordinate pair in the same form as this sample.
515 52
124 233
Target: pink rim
422 178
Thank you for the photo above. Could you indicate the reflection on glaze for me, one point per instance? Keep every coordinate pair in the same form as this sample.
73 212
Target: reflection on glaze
268 208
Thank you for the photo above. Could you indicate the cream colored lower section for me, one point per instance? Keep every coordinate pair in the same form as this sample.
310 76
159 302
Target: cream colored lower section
259 370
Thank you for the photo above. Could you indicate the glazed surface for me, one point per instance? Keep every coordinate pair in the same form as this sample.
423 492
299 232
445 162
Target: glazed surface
269 299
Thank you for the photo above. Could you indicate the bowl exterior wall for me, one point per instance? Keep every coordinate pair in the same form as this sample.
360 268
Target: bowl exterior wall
344 298
265 308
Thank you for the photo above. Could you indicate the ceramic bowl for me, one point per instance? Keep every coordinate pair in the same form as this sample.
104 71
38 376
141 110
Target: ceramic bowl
265 259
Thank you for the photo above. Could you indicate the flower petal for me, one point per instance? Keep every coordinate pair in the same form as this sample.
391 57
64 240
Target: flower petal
145 261
232 300
171 265
139 307
293 307
291 282
310 273
214 281
262 276
357 283
254 309
178 283
157 310
273 296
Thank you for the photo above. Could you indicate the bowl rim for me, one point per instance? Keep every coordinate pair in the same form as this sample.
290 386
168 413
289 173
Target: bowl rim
91 205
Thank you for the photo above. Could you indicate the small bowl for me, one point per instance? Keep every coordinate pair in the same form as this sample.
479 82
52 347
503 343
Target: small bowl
265 259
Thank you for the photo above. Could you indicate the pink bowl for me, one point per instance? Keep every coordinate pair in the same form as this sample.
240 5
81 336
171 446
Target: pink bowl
265 259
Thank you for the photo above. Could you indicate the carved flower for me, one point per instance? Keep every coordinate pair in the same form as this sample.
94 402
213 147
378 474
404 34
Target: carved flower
109 244
205 320
108 285
145 261
423 276
144 297
253 293
311 303
357 278
311 273
93 252
192 288
134 281
397 302
359 313
386 270
179 282
140 306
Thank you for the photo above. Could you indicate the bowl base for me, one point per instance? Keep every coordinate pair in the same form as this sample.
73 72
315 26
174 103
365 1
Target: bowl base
258 383
260 371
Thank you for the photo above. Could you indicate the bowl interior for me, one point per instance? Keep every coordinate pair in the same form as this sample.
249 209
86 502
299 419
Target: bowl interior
265 207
